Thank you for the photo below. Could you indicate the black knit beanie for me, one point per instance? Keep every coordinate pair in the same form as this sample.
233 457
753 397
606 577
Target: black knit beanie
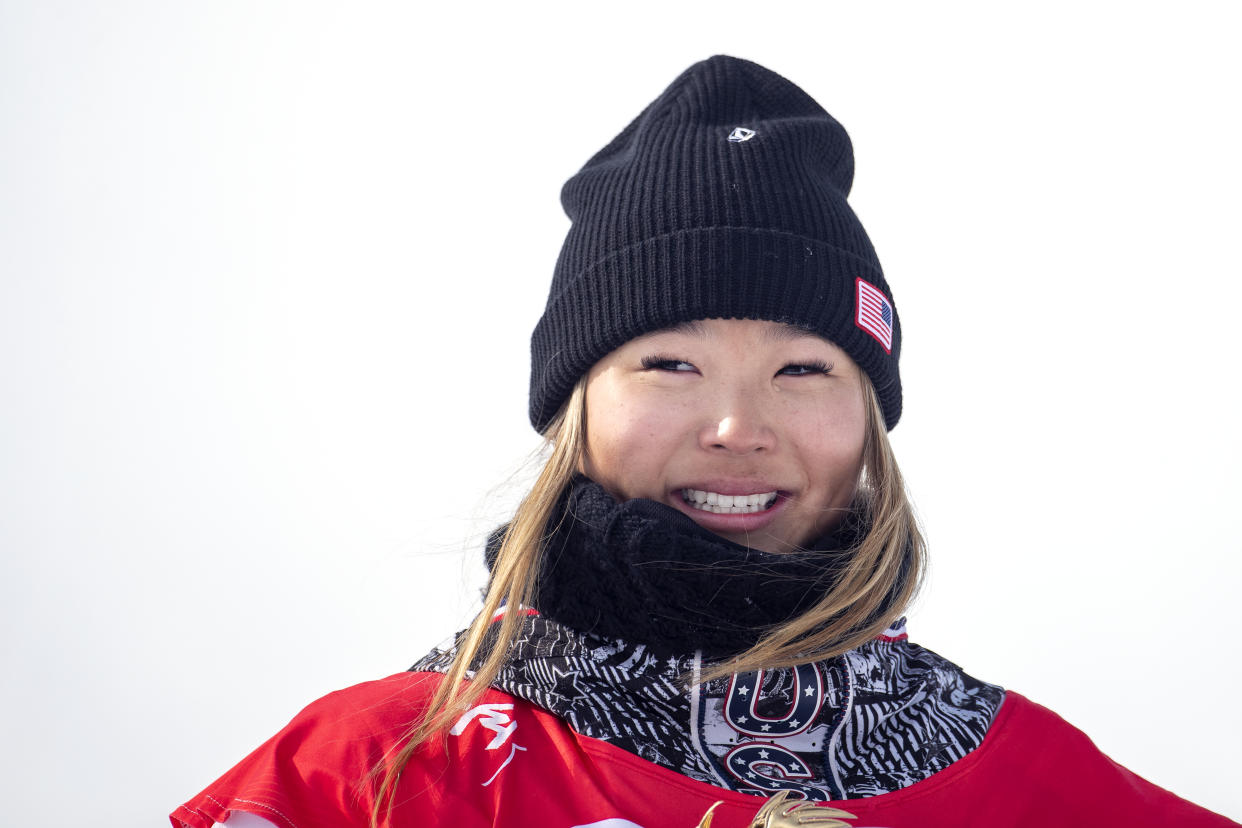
725 198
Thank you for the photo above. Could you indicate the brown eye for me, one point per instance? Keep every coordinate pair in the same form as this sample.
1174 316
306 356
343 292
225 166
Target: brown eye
658 363
803 369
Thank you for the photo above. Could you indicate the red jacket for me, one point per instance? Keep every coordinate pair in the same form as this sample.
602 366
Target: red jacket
510 764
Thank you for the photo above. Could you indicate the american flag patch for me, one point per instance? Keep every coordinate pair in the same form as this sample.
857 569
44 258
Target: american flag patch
875 314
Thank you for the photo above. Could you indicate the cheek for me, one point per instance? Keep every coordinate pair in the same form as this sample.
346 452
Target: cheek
834 446
628 446
612 434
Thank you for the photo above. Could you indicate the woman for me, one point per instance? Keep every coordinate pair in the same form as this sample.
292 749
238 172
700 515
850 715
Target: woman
693 617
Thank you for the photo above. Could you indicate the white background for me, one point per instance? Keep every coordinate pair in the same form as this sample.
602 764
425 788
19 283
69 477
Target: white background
269 272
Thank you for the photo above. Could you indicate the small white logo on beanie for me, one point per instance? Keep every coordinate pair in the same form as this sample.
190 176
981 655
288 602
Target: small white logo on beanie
740 134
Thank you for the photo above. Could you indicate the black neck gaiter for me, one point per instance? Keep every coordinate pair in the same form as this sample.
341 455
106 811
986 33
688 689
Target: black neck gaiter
647 573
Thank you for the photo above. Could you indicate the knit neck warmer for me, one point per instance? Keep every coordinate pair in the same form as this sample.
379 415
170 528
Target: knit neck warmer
643 571
635 597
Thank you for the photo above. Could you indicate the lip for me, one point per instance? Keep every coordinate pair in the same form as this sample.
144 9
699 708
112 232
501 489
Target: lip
732 487
728 524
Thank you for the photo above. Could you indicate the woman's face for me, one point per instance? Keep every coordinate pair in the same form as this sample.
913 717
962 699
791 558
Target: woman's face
759 415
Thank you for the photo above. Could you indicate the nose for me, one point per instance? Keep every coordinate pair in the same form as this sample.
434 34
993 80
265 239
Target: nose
742 427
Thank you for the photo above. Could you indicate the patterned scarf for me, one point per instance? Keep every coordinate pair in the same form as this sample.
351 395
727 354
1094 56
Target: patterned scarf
626 596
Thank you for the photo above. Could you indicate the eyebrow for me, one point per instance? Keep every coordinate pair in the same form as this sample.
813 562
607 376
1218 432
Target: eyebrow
786 331
688 328
779 332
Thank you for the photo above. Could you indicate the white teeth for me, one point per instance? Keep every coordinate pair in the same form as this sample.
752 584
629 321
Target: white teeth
720 504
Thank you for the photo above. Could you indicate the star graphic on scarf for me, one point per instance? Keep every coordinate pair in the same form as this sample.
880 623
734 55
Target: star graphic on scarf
933 748
565 684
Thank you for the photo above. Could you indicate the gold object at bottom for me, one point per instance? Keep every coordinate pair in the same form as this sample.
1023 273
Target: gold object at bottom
775 813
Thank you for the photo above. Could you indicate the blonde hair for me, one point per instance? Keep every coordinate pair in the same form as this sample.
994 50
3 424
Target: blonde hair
880 579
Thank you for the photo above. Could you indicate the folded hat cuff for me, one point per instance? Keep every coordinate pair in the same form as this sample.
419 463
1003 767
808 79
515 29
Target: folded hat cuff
706 273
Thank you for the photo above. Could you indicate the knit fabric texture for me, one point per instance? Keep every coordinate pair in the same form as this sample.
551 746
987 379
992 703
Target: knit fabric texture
645 572
725 198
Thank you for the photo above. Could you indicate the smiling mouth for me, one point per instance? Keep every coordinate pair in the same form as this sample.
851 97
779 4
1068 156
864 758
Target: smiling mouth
722 504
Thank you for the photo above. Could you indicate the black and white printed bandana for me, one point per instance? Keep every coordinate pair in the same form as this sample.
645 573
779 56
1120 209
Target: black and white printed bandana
629 590
873 720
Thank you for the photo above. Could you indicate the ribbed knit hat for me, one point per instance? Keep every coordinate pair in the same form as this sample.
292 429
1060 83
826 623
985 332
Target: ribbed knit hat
725 198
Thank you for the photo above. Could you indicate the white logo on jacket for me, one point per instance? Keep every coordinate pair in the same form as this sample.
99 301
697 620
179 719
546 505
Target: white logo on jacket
496 718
